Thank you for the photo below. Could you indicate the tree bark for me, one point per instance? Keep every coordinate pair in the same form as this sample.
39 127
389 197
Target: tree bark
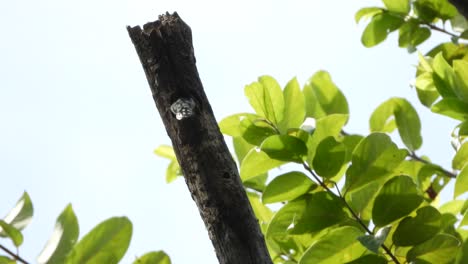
166 52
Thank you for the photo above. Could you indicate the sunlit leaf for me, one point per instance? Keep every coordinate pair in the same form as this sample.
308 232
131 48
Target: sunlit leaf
461 183
461 157
440 249
287 187
369 259
21 215
428 10
327 251
367 12
154 257
329 157
266 98
11 232
406 120
6 260
415 230
322 96
294 106
63 238
451 107
398 197
105 243
374 158
257 162
165 151
398 6
460 67
379 27
323 210
263 213
328 126
284 148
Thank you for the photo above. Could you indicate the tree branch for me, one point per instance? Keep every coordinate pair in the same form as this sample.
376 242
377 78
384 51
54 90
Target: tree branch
446 172
166 53
15 256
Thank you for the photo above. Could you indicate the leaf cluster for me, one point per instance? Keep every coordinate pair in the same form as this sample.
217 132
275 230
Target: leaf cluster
105 243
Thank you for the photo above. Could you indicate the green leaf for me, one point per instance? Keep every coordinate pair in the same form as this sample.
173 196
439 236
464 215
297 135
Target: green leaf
397 198
369 259
374 158
406 119
285 219
257 183
172 171
6 260
462 257
379 27
294 106
329 157
373 243
63 238
266 98
441 249
326 126
412 33
322 96
287 187
165 151
460 67
13 233
154 257
323 210
451 107
428 10
444 76
398 6
362 199
105 243
461 183
426 90
257 162
367 12
284 148
351 142
415 230
263 213
450 51
327 250
461 157
21 215
233 125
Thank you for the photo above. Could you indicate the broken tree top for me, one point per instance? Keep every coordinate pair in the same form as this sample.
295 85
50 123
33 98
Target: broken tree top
166 52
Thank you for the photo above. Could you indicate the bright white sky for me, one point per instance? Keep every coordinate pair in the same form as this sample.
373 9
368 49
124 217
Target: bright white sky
78 123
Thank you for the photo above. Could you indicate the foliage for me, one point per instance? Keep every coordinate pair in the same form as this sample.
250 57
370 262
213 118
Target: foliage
351 198
360 198
105 243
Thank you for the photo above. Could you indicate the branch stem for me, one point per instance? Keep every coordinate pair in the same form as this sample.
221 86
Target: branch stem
15 256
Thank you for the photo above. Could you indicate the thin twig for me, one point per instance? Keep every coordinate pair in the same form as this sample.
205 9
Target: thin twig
436 28
446 172
356 217
15 256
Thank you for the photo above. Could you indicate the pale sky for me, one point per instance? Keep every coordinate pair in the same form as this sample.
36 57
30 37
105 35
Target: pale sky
79 124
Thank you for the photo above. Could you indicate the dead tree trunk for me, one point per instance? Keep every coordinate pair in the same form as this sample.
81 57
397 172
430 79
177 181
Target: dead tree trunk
166 52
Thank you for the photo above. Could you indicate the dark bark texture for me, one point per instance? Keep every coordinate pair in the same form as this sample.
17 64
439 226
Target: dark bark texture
462 6
166 52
